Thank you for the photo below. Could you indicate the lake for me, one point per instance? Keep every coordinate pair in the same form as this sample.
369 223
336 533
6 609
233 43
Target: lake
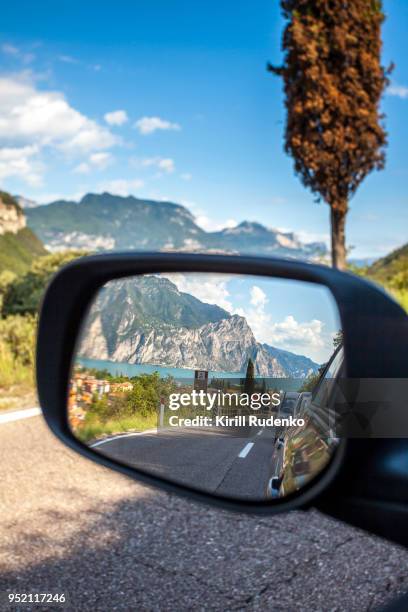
183 375
118 368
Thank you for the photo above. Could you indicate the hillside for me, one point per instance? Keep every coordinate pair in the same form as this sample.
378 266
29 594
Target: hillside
148 320
392 269
18 244
108 222
17 251
391 272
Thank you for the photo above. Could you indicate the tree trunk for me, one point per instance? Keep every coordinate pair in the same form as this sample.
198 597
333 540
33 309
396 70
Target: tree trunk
338 242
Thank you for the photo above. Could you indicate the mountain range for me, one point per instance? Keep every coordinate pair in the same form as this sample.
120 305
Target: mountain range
110 222
148 320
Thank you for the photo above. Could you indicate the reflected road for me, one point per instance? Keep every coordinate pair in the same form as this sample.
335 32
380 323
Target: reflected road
207 459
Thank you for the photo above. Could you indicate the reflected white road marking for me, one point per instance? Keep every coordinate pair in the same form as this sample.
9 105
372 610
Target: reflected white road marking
245 450
16 415
119 436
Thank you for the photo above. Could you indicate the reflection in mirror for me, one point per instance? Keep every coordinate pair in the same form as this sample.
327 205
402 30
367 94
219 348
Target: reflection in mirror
212 381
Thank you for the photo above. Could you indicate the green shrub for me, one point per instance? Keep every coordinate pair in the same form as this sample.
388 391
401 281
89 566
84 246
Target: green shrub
17 350
23 296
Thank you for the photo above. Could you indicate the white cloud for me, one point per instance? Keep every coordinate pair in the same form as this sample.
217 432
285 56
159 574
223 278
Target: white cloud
82 168
290 332
97 161
118 117
43 118
305 236
209 225
90 137
101 159
122 187
32 121
162 163
167 165
18 162
306 337
148 125
399 91
258 297
186 176
209 288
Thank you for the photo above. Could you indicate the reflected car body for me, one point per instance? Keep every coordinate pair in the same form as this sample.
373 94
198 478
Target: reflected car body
307 449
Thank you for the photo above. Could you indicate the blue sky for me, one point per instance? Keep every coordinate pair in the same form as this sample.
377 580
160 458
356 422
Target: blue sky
201 120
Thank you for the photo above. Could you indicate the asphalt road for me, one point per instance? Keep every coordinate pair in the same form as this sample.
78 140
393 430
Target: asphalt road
209 458
112 544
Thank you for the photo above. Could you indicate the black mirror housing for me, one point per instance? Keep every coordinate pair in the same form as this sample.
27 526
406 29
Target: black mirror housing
375 344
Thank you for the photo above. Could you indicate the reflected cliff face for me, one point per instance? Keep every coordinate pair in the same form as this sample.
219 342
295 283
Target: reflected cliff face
169 321
204 379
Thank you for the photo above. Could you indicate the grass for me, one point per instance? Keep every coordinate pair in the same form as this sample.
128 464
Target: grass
94 429
17 338
12 371
17 386
19 396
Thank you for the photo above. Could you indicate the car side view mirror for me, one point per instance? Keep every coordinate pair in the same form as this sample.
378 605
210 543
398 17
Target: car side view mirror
255 384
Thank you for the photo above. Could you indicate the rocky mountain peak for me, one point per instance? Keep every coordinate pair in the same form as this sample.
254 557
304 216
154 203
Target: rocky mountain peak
246 227
148 320
12 219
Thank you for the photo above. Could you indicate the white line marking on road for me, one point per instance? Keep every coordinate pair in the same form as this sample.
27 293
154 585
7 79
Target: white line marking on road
16 415
259 432
119 436
245 450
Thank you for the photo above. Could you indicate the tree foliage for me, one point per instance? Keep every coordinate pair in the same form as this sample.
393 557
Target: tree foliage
333 82
249 384
17 342
143 399
23 296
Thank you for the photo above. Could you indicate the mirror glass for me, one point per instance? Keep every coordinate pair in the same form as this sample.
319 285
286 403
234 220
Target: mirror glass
212 381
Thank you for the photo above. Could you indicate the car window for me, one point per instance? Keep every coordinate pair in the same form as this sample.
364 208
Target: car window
330 374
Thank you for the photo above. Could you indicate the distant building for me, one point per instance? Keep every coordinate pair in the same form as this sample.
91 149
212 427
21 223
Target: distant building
121 387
